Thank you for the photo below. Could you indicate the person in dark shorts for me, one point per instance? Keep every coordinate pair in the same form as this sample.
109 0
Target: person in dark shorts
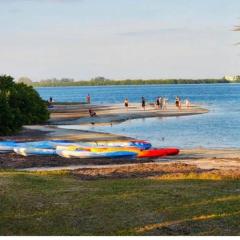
177 102
158 103
143 103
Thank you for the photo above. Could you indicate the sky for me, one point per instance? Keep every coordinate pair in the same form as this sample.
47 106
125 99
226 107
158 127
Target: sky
147 39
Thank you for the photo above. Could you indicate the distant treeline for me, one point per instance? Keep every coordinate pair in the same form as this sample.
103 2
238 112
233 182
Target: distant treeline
100 81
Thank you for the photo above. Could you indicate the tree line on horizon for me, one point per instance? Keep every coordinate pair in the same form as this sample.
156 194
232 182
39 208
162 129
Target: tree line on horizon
101 81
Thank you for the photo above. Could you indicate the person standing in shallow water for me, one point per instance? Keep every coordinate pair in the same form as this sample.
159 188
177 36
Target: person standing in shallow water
143 103
126 103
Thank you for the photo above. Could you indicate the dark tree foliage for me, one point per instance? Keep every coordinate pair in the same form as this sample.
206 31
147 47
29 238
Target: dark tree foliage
19 105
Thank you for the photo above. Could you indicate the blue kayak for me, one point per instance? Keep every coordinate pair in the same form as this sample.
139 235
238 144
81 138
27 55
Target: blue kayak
140 144
118 154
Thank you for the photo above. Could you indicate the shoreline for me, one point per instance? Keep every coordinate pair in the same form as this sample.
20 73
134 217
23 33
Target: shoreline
224 158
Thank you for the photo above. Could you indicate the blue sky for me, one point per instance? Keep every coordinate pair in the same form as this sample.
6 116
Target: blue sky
83 39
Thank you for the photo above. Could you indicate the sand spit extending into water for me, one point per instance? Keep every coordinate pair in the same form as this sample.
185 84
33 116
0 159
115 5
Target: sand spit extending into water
78 113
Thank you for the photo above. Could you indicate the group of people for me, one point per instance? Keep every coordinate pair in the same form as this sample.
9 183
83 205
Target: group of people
160 103
178 103
126 103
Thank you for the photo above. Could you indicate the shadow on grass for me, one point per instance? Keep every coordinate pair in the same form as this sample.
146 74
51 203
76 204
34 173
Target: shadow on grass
38 204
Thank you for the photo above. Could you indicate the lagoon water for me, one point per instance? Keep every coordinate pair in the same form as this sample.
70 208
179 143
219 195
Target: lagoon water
219 128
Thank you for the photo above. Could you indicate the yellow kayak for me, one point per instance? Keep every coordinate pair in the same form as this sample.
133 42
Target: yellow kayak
99 149
114 149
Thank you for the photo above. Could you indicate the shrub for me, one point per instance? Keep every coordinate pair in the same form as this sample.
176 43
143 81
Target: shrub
19 105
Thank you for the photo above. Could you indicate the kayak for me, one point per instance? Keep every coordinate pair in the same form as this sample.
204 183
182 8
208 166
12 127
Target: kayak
118 154
140 153
49 144
172 151
113 149
89 154
27 151
123 143
72 147
152 153
75 153
7 146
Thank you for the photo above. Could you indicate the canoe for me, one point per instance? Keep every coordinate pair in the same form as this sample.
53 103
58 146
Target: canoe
87 154
7 146
28 151
153 153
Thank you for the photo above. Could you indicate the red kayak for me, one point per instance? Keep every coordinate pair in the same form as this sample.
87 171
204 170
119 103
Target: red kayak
152 153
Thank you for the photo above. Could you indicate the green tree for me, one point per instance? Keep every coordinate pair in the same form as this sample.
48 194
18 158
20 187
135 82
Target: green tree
19 105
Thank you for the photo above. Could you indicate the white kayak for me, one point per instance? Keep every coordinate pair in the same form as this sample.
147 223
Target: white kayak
141 144
28 151
7 146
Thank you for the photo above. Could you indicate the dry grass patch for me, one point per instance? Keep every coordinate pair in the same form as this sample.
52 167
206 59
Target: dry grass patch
203 175
134 171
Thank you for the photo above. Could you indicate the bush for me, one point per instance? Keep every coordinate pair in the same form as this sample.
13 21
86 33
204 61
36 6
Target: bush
19 105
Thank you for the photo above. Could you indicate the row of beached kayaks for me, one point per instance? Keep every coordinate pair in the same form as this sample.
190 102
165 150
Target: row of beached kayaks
97 149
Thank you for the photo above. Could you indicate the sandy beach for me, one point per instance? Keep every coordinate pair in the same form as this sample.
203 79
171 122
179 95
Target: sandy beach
78 113
61 114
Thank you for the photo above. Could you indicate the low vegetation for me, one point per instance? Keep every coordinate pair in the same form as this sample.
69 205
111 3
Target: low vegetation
101 81
60 203
19 105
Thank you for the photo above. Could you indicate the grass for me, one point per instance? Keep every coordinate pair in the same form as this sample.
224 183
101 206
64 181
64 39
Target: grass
61 204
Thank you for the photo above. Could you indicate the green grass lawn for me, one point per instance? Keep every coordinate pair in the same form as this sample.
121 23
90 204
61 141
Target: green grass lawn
60 204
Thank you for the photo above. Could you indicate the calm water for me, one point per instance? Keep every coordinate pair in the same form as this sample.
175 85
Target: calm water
217 129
